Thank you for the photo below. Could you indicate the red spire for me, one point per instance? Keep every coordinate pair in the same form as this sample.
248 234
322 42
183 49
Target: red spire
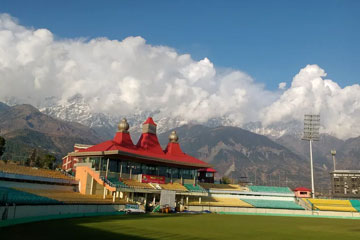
148 140
123 139
149 120
122 136
173 148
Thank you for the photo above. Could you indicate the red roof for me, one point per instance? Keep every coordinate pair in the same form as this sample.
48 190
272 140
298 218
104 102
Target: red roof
147 146
173 149
124 139
149 120
207 170
303 189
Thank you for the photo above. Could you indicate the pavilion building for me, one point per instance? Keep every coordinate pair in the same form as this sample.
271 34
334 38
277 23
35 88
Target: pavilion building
119 166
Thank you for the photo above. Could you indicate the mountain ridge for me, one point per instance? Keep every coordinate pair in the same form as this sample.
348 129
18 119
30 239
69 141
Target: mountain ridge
261 159
25 125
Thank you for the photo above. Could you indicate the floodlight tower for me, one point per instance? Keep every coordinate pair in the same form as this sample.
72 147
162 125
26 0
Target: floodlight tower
311 133
333 153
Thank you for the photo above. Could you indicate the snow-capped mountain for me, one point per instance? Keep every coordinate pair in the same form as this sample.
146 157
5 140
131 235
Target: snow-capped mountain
276 130
76 109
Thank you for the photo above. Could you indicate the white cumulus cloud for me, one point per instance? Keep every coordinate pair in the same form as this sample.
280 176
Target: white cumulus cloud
282 85
120 77
311 92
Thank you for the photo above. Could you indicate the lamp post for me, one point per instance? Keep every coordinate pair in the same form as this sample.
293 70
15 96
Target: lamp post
311 133
333 153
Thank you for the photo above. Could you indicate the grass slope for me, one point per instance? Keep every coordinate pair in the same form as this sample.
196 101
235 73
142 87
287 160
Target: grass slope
179 226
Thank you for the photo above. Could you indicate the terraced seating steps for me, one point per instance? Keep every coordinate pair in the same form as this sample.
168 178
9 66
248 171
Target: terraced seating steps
270 189
355 204
31 171
219 202
194 188
136 184
13 196
277 204
332 205
173 186
70 197
117 183
228 187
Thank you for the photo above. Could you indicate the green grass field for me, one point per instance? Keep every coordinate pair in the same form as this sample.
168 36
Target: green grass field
181 226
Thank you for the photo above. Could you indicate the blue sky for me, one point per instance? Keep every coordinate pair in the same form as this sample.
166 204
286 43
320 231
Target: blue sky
270 40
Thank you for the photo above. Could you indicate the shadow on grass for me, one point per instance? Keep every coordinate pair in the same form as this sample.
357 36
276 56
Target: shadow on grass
128 217
51 230
74 229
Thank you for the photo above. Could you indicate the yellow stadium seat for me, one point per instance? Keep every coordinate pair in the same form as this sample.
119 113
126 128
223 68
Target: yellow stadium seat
173 186
71 197
332 205
32 171
136 184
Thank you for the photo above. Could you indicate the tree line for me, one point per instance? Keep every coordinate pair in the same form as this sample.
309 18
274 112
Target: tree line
34 159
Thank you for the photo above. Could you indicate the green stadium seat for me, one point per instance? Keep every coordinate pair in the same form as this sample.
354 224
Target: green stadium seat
355 204
278 204
270 189
117 183
194 188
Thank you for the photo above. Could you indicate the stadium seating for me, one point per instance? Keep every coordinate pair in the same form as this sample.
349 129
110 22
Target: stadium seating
70 197
228 187
219 202
32 171
156 186
332 205
262 203
13 196
355 204
194 188
136 184
173 186
270 189
117 183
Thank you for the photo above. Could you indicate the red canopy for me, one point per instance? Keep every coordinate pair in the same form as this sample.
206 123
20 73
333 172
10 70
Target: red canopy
207 170
302 189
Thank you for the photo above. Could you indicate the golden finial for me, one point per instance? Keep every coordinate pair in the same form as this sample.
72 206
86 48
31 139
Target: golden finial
173 137
123 126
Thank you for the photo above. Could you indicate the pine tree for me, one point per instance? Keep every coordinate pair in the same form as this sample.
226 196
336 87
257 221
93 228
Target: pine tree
32 158
48 161
2 146
38 162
